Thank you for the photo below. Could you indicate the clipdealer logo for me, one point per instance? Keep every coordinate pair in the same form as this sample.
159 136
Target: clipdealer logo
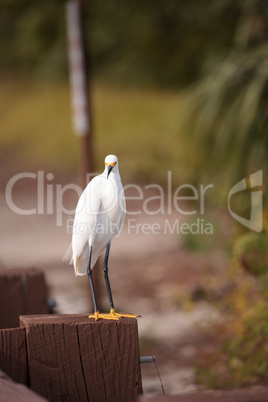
50 200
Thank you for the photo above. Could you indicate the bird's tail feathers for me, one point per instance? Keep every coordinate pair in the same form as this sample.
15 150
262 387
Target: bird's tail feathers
80 266
67 255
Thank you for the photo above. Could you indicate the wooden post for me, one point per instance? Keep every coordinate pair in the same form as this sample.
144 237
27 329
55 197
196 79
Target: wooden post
22 291
13 354
79 82
73 358
81 106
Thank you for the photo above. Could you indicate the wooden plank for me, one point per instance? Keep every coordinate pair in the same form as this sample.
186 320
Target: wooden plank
72 357
22 291
12 392
13 354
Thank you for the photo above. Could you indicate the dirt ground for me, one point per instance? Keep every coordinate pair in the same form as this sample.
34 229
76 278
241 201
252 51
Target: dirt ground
151 274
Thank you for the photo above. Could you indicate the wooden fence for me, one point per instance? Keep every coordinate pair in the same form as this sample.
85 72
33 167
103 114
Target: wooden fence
69 357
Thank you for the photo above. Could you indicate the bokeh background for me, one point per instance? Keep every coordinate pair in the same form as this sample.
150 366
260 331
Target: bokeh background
176 86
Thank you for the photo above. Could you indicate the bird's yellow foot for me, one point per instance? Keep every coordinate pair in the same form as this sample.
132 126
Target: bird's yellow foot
98 316
119 315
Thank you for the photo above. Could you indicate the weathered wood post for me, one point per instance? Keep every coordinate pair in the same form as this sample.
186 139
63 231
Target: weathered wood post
79 83
73 358
13 354
81 105
22 291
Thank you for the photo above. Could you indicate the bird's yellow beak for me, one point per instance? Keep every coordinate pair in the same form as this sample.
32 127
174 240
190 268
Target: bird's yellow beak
110 167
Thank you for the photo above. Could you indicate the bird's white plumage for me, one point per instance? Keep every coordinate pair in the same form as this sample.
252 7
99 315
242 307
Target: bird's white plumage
99 216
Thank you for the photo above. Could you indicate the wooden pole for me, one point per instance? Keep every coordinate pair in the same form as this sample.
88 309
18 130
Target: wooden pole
74 358
79 82
81 105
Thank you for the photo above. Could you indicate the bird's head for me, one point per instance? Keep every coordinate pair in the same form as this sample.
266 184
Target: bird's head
111 163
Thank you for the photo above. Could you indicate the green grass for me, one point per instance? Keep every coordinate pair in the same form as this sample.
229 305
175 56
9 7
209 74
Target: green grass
140 126
35 126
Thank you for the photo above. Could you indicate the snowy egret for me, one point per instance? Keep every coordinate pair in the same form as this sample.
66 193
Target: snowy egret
99 216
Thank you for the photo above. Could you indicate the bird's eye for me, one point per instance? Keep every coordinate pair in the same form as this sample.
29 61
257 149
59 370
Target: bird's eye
112 164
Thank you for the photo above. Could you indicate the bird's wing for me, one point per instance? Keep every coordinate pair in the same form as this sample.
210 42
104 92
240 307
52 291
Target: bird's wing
122 208
85 221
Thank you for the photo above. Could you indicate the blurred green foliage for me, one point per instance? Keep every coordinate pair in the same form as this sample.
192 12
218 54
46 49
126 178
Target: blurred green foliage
241 356
242 361
227 110
251 250
33 38
240 353
220 47
144 42
248 352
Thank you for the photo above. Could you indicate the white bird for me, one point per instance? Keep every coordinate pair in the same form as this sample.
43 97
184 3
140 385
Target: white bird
99 216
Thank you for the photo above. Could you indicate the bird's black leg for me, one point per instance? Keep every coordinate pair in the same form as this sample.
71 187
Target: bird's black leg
105 272
89 274
113 314
98 315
